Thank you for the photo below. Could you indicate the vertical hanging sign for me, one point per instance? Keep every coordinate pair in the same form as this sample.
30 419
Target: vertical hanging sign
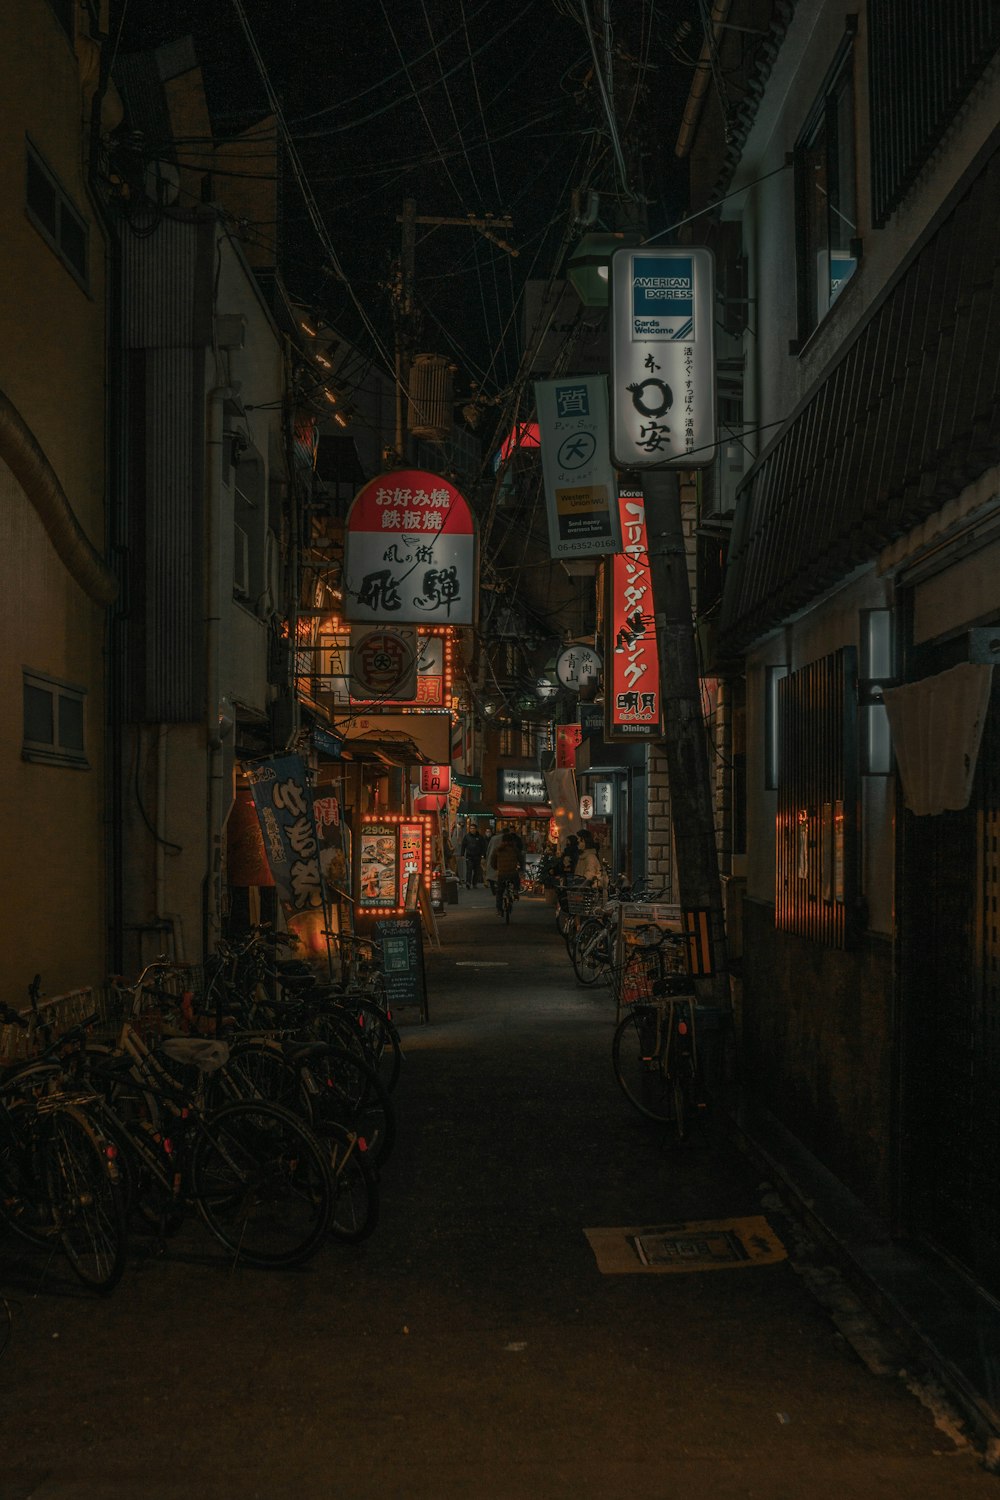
663 358
632 697
576 466
410 552
284 807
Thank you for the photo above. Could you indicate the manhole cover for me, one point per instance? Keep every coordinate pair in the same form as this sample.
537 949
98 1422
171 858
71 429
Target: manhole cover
703 1246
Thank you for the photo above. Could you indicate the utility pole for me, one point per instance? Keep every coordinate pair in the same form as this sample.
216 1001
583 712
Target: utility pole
685 740
405 307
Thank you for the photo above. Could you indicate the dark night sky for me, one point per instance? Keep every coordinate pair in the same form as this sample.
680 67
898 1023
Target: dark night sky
467 107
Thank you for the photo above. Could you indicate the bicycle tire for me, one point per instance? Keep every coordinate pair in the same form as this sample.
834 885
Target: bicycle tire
347 1091
591 954
382 1040
638 1065
355 1184
87 1207
257 1068
262 1184
126 1108
23 1198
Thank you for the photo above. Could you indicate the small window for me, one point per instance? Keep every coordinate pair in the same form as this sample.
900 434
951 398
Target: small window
54 722
53 215
826 197
772 676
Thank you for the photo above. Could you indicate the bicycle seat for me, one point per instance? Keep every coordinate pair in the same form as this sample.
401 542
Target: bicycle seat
207 1056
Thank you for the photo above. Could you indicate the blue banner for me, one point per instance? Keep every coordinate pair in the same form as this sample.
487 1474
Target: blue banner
283 802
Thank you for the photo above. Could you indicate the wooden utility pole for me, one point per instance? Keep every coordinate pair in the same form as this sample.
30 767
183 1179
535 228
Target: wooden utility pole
405 307
685 741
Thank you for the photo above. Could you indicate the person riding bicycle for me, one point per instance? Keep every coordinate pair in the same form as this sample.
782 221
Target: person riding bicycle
507 862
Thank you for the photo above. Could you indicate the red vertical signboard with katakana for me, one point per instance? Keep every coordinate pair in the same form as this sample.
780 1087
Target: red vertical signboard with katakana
632 674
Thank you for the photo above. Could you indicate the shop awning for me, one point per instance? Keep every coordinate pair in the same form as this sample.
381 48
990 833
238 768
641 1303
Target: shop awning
512 810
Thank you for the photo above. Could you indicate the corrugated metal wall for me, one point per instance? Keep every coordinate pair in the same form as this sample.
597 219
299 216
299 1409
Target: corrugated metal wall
164 285
924 58
902 423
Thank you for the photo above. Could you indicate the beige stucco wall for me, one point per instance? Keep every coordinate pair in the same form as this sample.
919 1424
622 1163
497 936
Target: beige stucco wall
52 367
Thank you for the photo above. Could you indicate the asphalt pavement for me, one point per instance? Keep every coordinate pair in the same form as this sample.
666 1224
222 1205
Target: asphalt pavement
473 1347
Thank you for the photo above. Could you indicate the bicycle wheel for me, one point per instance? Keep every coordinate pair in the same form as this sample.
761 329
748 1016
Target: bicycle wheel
592 952
262 1183
355 1185
87 1207
24 1202
257 1068
343 1089
382 1044
637 1058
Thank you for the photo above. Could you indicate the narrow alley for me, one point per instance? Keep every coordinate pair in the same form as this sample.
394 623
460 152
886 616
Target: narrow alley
472 1347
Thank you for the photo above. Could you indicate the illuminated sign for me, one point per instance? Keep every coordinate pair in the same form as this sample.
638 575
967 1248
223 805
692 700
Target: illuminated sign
383 663
663 358
576 665
410 552
435 778
568 737
632 694
340 680
391 848
521 786
576 466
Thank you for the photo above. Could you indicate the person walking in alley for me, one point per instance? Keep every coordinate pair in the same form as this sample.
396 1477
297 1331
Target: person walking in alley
472 851
507 862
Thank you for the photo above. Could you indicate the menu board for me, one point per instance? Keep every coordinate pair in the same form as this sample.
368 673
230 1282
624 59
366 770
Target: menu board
411 849
379 857
400 939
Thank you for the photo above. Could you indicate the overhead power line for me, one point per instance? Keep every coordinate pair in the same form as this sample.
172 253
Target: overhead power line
312 207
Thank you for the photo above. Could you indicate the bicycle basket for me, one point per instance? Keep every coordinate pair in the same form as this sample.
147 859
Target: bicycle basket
582 900
634 978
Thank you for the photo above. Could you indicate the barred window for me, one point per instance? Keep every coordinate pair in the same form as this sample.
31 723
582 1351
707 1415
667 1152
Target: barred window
816 881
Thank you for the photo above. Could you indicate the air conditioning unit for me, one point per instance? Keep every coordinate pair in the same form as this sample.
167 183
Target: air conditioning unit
241 563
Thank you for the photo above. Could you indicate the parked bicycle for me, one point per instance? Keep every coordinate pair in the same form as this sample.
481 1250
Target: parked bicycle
255 1172
59 1182
654 1049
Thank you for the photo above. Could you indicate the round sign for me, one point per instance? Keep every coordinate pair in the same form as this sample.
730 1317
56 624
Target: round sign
586 808
382 661
576 664
545 689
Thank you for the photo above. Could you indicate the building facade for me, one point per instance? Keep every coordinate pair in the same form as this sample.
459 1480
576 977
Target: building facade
54 481
861 599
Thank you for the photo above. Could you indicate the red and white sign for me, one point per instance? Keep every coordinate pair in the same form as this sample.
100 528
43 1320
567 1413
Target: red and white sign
568 737
435 779
633 671
410 552
586 807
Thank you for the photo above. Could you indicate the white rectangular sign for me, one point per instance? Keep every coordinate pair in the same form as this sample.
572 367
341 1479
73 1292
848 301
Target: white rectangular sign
663 358
576 466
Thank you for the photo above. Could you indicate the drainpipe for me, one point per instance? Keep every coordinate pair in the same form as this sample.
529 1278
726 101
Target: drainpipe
217 396
164 917
702 78
22 453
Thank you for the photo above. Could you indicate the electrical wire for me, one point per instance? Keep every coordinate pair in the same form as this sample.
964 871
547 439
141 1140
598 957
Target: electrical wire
312 207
